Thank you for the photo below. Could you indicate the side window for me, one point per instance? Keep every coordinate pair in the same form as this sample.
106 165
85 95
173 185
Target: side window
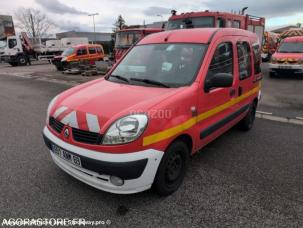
236 24
92 50
222 61
228 24
257 58
82 51
220 23
244 60
99 50
12 43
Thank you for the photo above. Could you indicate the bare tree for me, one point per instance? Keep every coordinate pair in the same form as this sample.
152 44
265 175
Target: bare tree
33 22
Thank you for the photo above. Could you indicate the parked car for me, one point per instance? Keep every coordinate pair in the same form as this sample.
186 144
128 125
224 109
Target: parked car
168 97
79 53
288 59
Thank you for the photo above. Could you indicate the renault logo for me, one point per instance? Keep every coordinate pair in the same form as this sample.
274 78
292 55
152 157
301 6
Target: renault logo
66 133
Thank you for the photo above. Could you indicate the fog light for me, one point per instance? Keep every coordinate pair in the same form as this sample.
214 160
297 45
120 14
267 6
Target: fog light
116 181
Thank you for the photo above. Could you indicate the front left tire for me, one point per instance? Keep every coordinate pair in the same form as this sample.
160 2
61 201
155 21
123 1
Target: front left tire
172 169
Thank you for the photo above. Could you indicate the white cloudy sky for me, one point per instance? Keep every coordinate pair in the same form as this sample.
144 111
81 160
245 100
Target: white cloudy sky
72 14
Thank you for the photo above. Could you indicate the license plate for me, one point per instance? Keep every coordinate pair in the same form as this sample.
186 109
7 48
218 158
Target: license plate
66 155
285 67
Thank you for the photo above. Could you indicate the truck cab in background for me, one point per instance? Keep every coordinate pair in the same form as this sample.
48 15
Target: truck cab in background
14 52
126 38
208 19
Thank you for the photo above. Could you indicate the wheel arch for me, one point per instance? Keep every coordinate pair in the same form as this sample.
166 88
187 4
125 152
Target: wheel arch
186 138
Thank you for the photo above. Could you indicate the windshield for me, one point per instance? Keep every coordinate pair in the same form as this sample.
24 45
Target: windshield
127 39
196 22
68 51
291 47
172 65
2 44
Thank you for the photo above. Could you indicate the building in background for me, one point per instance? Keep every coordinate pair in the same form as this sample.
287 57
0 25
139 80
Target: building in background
106 39
6 26
158 24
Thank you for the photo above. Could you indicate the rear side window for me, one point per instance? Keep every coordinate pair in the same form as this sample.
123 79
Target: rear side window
244 60
82 51
222 61
99 50
257 58
92 50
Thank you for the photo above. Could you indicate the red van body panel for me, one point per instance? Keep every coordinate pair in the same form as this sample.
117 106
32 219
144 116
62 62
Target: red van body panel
195 111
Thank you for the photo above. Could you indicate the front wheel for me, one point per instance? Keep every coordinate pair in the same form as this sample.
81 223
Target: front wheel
22 60
248 121
172 169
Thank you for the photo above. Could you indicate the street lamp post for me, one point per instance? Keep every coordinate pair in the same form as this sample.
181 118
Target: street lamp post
93 15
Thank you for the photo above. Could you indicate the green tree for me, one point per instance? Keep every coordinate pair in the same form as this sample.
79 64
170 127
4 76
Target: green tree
119 24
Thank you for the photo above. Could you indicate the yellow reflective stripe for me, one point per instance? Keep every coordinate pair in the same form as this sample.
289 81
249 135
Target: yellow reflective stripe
170 132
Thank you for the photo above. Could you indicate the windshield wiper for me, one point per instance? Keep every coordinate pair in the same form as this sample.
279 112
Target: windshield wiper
120 78
148 81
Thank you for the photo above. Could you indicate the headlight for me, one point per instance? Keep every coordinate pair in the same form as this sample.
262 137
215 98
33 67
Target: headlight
49 108
273 60
126 129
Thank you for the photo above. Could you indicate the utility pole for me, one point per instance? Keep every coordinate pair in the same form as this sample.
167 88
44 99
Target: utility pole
93 15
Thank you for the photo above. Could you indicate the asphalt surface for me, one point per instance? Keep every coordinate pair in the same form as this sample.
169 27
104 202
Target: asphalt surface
249 179
283 95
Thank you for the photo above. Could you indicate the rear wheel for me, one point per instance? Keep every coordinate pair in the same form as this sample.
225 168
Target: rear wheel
172 169
248 121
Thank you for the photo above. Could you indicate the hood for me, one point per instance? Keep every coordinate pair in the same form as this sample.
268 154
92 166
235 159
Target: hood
108 101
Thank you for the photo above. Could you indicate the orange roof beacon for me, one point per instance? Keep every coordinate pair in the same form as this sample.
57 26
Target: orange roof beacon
169 96
288 59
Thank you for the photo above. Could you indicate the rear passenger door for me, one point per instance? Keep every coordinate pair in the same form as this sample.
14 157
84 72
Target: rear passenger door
92 53
82 53
213 106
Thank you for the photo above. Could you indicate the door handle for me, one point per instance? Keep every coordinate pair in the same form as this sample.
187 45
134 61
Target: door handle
232 92
240 91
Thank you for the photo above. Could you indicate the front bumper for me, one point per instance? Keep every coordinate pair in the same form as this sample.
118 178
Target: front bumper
7 58
137 169
292 67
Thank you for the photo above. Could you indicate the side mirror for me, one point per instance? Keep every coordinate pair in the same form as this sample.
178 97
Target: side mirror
219 80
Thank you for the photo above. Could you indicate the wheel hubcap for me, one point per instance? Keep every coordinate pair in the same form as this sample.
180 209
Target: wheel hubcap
174 167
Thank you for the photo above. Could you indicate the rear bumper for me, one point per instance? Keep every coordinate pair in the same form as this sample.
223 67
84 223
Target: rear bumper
137 169
285 67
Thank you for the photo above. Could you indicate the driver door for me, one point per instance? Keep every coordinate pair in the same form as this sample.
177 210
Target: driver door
214 106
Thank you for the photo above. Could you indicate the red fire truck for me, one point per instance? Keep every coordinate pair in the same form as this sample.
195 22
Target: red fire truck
126 38
208 19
